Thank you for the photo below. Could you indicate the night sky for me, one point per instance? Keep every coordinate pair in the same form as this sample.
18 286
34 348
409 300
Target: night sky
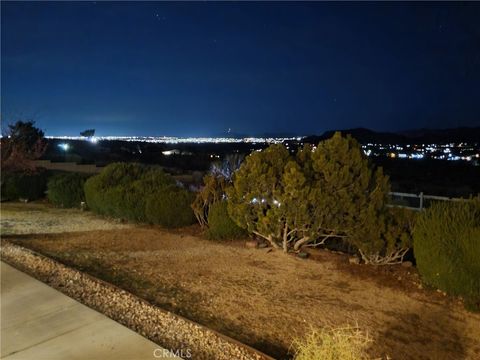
198 69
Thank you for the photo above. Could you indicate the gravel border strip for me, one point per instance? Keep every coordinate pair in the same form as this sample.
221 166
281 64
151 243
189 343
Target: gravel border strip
170 331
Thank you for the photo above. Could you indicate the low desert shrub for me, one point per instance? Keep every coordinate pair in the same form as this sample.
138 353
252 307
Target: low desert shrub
447 248
220 225
66 190
170 208
330 343
18 185
121 189
387 237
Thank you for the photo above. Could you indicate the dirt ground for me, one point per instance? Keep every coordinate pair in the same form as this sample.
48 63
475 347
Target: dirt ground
265 298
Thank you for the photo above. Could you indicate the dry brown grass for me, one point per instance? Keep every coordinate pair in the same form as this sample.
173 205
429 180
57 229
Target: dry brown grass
38 218
333 343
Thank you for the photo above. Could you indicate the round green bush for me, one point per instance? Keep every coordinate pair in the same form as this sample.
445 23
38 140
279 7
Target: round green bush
447 248
220 225
66 190
18 185
121 189
170 208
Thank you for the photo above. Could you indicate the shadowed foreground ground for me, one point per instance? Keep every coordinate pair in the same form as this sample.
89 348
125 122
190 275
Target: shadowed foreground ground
264 299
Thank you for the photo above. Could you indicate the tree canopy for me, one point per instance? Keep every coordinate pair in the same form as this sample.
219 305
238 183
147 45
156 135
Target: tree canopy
256 196
20 145
324 192
88 133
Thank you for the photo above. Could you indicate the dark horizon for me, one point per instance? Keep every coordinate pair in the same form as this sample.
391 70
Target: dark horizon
199 69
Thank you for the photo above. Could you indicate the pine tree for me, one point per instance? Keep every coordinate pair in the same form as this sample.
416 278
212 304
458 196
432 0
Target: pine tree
327 192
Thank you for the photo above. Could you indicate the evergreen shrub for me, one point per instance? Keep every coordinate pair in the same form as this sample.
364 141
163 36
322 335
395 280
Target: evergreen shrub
19 185
447 248
220 225
170 208
66 190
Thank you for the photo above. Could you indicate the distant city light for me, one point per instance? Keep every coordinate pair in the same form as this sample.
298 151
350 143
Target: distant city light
467 152
182 140
64 146
417 156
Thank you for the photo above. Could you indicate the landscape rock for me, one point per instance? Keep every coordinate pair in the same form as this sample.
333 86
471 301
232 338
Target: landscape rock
407 264
162 327
302 255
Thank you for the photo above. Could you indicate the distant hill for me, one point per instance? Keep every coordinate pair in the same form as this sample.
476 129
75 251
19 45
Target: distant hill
419 136
461 134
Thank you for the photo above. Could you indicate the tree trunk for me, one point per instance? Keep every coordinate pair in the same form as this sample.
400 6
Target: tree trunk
301 242
269 239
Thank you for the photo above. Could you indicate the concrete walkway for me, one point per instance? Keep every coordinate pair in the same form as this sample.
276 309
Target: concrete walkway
38 322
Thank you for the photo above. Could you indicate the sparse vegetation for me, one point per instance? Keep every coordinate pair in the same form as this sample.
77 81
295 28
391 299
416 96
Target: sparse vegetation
226 168
66 190
447 248
333 343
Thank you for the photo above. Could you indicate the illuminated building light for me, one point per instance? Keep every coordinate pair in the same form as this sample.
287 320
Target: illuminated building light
64 146
180 140
417 156
461 151
171 152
